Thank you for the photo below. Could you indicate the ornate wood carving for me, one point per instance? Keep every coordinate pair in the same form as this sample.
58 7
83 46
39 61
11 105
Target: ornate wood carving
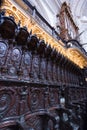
32 84
40 27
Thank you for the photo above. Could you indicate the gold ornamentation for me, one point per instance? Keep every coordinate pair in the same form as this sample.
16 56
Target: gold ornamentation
27 20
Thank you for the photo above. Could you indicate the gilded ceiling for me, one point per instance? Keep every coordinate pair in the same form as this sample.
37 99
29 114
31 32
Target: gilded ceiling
20 11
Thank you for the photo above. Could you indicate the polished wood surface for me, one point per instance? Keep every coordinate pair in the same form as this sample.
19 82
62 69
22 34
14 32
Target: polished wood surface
40 89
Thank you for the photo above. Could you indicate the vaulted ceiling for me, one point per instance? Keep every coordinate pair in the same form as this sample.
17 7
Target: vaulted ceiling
50 8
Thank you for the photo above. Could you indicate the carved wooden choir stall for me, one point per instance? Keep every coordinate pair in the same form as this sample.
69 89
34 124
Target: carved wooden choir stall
40 89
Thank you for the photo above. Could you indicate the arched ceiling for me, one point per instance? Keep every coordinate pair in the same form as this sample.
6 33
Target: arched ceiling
50 8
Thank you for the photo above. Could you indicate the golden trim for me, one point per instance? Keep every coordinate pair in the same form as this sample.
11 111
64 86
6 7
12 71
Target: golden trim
27 20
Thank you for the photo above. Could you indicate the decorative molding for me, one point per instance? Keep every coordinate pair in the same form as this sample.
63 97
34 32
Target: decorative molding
30 23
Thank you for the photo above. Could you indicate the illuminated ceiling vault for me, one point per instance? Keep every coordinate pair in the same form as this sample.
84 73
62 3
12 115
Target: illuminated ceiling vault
20 11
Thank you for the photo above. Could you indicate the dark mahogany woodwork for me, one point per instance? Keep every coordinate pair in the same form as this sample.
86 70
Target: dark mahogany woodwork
21 36
7 27
40 89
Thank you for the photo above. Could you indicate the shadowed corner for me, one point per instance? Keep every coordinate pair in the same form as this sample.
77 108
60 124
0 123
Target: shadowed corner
1 1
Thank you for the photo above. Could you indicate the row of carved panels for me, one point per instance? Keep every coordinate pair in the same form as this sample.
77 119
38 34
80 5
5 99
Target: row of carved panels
19 64
16 100
76 94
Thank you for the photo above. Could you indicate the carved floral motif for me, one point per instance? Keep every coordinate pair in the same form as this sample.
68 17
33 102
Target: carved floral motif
3 49
7 100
